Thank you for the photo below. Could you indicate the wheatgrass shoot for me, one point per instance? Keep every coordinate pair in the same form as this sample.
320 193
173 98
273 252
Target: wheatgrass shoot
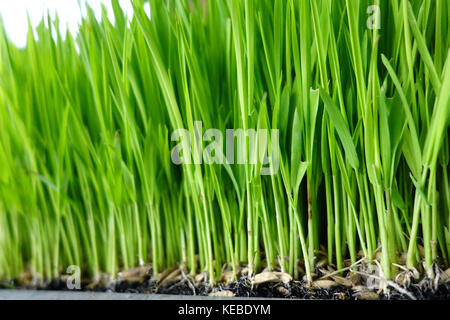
359 91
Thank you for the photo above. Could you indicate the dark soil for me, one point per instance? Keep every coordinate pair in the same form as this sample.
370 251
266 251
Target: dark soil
328 284
244 288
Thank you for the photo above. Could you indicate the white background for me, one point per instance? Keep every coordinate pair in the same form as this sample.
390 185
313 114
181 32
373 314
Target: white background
14 14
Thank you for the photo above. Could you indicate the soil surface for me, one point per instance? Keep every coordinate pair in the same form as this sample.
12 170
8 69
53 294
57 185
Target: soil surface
328 285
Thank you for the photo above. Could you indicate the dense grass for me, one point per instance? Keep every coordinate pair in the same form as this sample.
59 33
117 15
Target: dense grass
86 176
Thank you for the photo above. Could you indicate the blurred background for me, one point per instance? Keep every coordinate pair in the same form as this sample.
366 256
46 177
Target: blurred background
15 13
